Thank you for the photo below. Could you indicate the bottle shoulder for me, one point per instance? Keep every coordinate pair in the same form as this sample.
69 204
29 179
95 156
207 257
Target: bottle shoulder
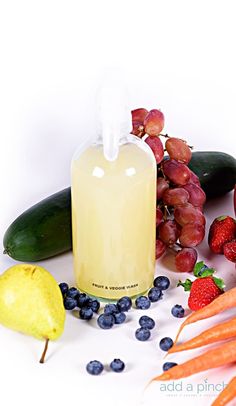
131 150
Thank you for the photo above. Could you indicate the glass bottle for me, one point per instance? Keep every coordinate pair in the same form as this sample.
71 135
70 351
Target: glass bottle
114 207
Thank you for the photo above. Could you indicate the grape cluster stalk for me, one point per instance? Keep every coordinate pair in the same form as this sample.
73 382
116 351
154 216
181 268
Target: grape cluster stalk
180 222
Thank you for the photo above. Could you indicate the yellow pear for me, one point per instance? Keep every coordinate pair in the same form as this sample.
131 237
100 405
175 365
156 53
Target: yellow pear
31 302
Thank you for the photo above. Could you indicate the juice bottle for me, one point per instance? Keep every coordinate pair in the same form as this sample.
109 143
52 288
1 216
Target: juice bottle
113 210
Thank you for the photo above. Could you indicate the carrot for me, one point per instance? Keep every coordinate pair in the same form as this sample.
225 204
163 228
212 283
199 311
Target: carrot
219 332
214 358
227 394
221 303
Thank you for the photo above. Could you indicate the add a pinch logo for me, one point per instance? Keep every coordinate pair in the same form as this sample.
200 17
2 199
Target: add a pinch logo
182 388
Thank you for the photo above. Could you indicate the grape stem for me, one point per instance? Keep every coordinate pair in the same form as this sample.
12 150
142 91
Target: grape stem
179 245
171 248
141 132
161 170
167 136
166 212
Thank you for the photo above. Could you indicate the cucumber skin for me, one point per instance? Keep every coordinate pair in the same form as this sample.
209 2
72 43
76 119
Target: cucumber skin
42 231
216 172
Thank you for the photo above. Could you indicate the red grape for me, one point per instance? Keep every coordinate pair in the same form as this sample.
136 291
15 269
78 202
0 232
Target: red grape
180 198
197 196
200 208
186 259
160 248
194 178
162 185
156 146
174 197
187 213
177 172
159 216
138 117
154 122
191 235
169 232
178 150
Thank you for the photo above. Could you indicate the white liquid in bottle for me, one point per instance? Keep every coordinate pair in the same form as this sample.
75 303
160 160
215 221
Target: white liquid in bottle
113 216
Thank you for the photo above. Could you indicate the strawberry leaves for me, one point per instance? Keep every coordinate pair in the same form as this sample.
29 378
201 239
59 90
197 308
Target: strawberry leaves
219 282
186 285
202 271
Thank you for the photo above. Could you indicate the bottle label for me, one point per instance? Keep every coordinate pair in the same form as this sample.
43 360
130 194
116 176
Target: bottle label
130 286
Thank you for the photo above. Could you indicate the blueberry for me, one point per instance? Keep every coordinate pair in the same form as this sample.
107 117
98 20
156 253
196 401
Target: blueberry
69 303
142 302
94 367
124 304
147 322
166 343
119 317
82 299
155 294
94 304
161 282
111 308
117 365
106 321
72 292
64 288
168 365
86 313
88 302
142 334
177 311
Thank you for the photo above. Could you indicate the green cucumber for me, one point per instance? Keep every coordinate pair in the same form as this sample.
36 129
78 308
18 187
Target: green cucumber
216 172
44 230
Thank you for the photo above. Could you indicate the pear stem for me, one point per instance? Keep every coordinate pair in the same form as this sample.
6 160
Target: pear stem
42 359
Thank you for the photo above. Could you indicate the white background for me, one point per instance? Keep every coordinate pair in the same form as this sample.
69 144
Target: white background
177 56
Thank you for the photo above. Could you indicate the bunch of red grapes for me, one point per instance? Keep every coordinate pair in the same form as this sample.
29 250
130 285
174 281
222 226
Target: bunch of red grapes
179 214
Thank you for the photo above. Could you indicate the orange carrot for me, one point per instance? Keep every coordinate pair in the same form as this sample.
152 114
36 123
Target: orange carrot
228 394
214 358
221 303
219 332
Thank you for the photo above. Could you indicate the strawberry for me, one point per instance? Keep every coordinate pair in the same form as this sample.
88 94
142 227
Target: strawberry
222 230
204 289
230 250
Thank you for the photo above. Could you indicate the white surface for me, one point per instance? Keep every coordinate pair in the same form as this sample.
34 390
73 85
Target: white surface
178 56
